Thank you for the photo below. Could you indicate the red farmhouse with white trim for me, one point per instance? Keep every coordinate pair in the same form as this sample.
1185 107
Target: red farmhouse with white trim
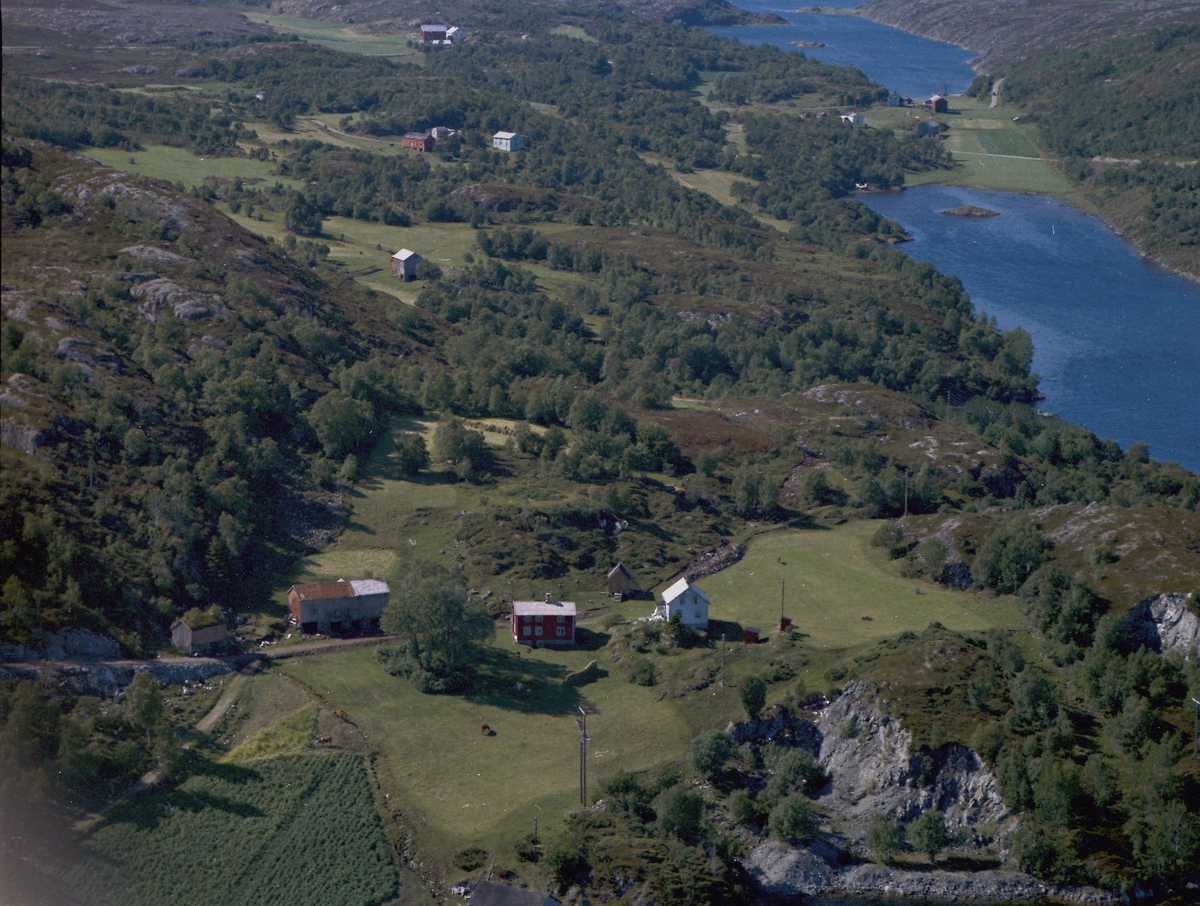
548 622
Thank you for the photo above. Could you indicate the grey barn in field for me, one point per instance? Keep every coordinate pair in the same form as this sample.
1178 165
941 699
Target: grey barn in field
321 605
404 264
187 639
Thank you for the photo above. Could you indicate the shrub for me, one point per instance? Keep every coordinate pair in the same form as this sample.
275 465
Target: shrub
642 673
885 837
710 751
745 809
928 833
470 859
681 814
793 820
754 696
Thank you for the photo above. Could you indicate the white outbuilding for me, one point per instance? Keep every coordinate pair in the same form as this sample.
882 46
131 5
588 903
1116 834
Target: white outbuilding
688 601
506 141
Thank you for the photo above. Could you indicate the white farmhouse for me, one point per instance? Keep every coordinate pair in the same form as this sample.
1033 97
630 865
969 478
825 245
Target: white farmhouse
854 118
506 141
688 601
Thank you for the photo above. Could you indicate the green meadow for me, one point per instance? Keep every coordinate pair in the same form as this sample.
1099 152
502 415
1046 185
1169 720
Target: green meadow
337 36
177 165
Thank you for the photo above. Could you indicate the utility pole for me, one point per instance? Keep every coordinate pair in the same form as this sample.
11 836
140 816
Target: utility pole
583 744
782 589
1196 729
722 659
905 494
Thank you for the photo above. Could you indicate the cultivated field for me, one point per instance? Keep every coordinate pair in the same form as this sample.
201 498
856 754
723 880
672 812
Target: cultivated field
290 831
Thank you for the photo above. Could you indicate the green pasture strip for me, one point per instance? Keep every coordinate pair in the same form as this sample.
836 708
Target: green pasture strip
293 831
1003 174
573 31
833 580
339 37
177 165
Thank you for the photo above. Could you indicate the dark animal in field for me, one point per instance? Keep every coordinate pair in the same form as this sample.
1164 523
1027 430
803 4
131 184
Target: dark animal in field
324 740
487 731
339 714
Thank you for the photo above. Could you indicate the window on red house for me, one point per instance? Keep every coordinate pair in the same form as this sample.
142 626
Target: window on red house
539 630
562 633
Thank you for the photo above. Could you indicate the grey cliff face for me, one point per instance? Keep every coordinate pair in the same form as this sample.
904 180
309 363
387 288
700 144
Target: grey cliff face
1166 623
875 769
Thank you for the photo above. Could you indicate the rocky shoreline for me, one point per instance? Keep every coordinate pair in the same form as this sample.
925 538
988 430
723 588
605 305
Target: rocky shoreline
875 770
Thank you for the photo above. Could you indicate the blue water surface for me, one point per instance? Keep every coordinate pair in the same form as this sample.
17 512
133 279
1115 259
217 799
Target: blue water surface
1116 340
915 67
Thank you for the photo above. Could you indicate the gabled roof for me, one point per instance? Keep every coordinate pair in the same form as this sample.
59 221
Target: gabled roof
619 570
489 893
419 136
544 608
679 588
505 135
369 586
405 254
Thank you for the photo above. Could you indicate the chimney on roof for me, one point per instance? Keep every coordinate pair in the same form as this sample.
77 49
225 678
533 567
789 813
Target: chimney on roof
548 600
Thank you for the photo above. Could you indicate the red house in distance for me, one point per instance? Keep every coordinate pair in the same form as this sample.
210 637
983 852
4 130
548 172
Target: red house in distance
548 622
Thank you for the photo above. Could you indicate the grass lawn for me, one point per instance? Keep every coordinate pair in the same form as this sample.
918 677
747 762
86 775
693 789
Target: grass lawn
339 37
461 788
834 578
178 165
573 31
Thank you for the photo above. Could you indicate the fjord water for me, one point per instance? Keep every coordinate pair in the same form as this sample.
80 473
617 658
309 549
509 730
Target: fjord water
916 67
1116 340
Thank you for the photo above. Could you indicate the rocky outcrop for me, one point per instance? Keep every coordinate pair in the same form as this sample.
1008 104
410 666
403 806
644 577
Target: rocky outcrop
950 886
781 728
1166 623
187 304
109 676
875 769
69 644
813 870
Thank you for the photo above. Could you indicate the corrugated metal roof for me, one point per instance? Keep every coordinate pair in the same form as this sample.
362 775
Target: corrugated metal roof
405 254
679 588
369 586
323 590
505 135
544 608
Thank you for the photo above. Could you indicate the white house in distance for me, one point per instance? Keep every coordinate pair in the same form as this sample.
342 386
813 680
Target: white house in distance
404 264
506 141
688 601
852 119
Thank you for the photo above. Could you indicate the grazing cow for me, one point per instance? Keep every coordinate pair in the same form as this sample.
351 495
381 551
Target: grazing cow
485 730
324 740
339 714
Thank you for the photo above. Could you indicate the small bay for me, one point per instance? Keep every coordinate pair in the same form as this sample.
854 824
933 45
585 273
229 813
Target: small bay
914 66
1116 340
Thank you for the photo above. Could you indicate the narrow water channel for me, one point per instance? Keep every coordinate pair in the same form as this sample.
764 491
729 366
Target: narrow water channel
1116 340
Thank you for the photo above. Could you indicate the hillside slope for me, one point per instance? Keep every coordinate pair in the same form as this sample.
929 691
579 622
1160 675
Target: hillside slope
1005 32
162 443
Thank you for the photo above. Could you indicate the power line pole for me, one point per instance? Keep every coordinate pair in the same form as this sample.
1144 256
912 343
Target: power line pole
905 494
1196 729
583 744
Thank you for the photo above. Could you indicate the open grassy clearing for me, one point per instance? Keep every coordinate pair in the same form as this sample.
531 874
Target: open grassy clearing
461 788
573 31
337 36
833 580
178 165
